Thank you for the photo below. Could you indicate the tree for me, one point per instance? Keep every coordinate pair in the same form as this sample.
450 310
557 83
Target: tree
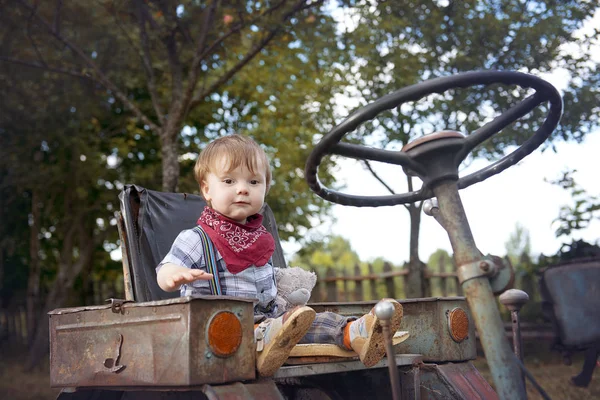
185 72
57 191
400 43
188 52
585 209
518 244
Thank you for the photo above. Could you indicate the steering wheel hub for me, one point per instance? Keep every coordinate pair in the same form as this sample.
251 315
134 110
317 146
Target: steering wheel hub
436 155
432 137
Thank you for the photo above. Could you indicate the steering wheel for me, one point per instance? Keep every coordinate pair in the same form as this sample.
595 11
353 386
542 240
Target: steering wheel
436 156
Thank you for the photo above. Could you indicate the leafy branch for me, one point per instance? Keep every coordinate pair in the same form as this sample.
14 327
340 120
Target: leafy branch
585 209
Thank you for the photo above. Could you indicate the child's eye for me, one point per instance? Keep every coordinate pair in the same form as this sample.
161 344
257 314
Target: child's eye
254 182
228 181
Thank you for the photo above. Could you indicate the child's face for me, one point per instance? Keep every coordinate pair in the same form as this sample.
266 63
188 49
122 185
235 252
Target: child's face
236 193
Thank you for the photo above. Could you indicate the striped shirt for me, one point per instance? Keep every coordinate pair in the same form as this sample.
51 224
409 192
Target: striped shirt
254 282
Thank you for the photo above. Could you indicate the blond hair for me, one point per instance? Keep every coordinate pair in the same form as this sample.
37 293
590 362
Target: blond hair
237 150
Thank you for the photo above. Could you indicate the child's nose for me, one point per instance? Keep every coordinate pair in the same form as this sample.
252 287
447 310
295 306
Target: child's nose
242 188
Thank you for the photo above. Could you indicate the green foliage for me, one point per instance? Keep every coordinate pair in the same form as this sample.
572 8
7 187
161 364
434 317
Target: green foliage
585 209
403 42
282 99
437 259
335 252
52 152
518 244
179 74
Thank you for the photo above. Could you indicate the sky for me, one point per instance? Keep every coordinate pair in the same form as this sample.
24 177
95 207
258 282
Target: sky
519 195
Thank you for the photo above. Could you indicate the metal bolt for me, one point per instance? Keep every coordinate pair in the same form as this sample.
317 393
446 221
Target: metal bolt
430 206
485 267
384 310
208 354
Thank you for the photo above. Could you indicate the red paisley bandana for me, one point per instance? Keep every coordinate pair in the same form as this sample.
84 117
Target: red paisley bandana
240 245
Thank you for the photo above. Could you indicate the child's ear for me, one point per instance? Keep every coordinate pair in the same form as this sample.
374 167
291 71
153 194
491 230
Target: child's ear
204 189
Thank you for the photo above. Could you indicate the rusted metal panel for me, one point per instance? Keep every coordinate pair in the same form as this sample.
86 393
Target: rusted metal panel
454 381
467 381
427 322
160 344
574 293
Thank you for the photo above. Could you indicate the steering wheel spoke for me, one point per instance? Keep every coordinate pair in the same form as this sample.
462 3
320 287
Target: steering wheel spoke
500 122
369 153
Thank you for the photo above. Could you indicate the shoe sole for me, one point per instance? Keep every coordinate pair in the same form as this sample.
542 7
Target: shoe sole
374 348
292 331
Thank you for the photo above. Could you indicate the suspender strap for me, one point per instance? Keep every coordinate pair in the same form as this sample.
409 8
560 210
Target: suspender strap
211 262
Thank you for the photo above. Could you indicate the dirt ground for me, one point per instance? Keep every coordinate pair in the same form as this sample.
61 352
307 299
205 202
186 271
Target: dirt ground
553 376
547 368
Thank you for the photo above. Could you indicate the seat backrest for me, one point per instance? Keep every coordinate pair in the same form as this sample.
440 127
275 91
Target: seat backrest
151 221
571 295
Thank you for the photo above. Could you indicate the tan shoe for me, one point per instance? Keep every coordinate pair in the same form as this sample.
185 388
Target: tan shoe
366 334
276 337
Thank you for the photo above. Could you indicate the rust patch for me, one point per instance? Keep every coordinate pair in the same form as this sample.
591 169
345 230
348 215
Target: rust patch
458 324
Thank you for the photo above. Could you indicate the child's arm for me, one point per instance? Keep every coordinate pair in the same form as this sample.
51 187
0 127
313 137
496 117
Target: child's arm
171 276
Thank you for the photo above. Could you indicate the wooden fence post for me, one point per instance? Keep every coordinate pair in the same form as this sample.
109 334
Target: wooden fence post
358 284
346 295
426 282
389 281
331 286
405 280
372 283
443 280
315 295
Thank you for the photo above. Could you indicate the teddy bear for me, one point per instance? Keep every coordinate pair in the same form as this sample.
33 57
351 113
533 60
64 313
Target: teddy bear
294 286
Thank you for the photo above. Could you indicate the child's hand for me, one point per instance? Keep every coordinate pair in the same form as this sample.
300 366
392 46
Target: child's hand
187 276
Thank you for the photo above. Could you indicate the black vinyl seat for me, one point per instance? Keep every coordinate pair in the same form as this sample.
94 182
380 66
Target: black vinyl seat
149 223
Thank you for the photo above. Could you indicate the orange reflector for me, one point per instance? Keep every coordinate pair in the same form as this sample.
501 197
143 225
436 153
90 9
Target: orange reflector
458 324
224 333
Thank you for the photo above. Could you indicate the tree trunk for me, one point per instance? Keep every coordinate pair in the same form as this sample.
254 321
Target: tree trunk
61 288
170 160
416 269
33 282
56 298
